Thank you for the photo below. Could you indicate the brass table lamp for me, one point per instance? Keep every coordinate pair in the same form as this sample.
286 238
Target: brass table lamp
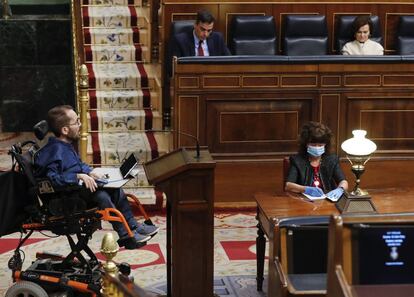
358 150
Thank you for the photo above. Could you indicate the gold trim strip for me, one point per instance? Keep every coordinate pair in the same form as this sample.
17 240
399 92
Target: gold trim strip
276 79
362 85
188 77
334 76
298 76
222 86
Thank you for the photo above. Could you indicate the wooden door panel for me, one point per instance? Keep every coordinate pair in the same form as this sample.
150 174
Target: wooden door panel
256 126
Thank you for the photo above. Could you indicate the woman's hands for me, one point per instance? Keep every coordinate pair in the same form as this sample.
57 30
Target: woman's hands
334 195
313 191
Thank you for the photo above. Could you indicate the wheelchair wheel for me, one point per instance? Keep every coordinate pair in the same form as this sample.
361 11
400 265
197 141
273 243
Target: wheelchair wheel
26 289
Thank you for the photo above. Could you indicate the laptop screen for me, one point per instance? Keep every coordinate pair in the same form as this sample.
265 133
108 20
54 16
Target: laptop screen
128 165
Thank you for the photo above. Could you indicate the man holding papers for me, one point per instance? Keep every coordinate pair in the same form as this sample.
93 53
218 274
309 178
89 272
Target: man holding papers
59 162
314 171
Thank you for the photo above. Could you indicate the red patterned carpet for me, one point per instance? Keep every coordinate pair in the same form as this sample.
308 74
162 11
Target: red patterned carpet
234 255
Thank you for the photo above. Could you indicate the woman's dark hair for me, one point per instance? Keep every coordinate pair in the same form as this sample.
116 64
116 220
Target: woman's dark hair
204 16
314 132
57 118
360 21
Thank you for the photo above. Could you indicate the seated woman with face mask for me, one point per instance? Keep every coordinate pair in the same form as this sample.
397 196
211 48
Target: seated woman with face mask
314 171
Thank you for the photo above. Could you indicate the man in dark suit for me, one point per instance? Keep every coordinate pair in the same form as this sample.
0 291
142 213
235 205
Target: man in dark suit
202 41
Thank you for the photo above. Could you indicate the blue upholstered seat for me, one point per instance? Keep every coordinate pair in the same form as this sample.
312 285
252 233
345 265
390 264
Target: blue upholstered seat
305 35
405 35
253 35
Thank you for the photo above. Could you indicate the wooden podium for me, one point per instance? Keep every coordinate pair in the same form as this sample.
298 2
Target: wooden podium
188 182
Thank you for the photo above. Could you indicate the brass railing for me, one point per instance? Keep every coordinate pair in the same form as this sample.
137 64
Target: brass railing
83 103
81 79
5 8
114 283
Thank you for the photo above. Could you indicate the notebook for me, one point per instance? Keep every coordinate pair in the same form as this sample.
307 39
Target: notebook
116 177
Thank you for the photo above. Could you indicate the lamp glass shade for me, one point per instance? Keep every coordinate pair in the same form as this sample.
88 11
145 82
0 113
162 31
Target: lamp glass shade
359 145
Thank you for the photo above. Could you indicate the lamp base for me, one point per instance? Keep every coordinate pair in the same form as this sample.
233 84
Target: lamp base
351 203
358 193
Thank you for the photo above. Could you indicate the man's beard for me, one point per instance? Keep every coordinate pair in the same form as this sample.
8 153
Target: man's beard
74 141
73 137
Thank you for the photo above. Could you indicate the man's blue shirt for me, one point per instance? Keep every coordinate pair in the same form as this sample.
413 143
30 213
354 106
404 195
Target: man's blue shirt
59 161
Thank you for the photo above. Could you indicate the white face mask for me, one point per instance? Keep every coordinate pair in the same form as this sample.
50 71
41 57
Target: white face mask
316 151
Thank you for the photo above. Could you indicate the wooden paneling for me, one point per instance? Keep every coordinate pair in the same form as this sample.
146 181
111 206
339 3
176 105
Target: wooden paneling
188 119
256 127
397 80
298 81
261 175
362 80
249 128
330 114
239 181
387 119
221 81
390 18
230 107
254 81
189 82
331 81
249 115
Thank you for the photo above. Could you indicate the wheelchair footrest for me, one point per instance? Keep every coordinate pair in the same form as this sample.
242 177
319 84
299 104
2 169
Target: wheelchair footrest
130 243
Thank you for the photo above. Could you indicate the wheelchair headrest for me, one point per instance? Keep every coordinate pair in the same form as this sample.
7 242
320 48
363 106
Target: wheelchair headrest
40 129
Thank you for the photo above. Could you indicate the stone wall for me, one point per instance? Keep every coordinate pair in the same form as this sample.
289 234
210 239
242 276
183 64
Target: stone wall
36 70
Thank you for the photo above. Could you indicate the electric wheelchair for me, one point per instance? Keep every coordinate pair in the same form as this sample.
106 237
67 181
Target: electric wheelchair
64 212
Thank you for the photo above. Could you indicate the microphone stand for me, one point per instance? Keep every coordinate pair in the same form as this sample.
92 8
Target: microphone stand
197 156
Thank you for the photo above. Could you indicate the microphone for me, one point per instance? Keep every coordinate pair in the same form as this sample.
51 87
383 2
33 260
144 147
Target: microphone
197 143
197 156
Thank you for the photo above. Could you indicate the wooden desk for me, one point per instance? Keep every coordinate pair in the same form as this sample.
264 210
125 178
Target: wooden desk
271 208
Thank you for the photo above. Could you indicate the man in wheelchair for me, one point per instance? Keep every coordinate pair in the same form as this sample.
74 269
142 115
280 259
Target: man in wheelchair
44 194
60 163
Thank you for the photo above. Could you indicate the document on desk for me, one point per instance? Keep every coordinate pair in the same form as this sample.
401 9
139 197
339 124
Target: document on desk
314 198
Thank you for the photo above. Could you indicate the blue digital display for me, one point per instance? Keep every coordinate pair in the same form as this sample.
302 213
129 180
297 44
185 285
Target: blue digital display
383 255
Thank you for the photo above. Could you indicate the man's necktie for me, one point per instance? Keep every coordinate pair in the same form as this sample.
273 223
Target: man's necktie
200 51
